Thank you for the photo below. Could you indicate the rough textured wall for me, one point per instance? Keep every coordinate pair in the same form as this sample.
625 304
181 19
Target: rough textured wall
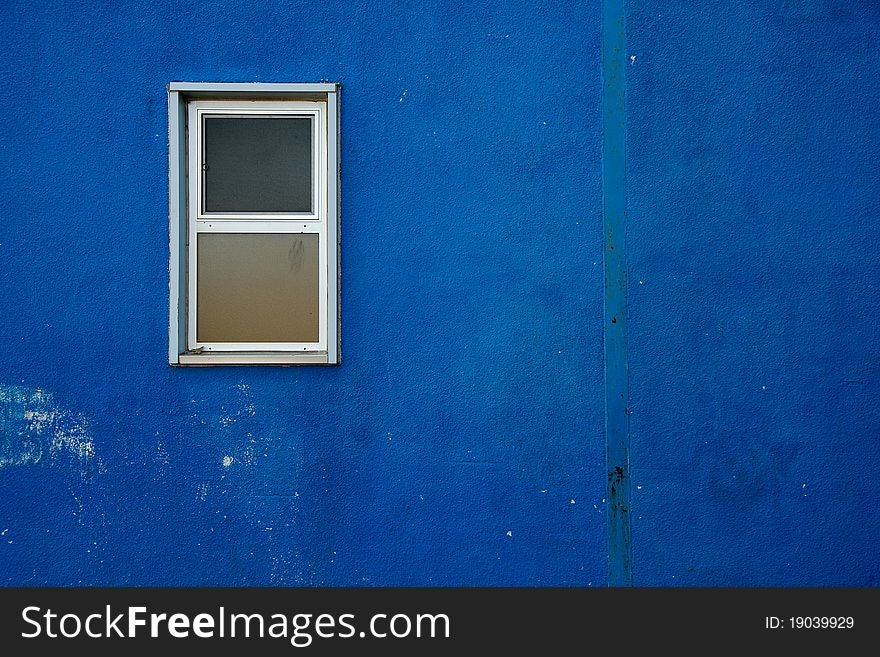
461 440
753 180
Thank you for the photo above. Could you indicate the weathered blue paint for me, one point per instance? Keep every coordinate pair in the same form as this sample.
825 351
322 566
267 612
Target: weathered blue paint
614 222
753 174
460 442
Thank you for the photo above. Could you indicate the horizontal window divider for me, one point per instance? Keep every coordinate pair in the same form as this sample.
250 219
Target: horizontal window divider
261 227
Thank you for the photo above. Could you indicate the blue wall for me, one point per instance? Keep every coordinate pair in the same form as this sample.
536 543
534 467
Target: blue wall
754 198
462 440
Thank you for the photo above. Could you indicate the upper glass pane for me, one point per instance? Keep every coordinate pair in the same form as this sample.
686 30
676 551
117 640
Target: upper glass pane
257 164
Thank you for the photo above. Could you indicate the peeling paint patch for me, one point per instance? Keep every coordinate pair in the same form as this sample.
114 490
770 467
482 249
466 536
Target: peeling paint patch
162 455
242 410
34 430
228 461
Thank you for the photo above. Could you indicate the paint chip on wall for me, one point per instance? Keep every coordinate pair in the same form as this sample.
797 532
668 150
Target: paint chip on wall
34 429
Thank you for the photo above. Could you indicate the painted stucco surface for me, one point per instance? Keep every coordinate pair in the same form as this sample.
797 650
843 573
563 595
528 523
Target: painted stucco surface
753 178
461 440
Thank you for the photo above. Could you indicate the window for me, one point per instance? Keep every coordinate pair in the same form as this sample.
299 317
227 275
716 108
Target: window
253 188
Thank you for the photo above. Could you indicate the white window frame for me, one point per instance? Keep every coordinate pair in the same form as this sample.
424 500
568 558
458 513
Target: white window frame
189 105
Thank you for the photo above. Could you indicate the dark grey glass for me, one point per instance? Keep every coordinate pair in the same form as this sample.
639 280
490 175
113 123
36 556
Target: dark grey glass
259 164
257 287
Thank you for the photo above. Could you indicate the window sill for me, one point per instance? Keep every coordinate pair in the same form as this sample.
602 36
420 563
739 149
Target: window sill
205 359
